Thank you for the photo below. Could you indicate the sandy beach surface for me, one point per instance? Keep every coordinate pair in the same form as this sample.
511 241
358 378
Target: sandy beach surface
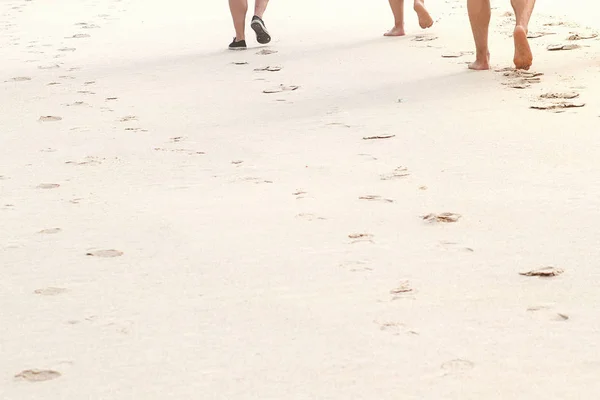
178 221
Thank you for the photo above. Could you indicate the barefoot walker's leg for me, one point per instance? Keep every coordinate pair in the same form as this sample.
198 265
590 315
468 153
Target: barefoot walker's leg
425 20
238 10
398 11
479 15
258 25
523 10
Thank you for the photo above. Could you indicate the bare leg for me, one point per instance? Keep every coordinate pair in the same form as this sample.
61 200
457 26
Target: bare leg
479 15
238 9
523 10
425 20
259 7
398 11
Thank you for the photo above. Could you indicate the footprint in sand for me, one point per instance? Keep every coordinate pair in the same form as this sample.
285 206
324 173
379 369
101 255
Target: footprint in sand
398 173
338 124
557 107
69 49
457 366
310 217
375 198
299 194
265 52
583 36
51 66
50 231
105 253
50 291
281 88
378 137
48 186
424 38
361 238
519 79
128 118
559 95
49 118
78 36
78 104
38 375
457 54
20 79
111 98
80 129
561 47
395 328
544 272
86 92
445 245
85 25
536 35
356 266
547 313
562 23
269 69
187 151
402 289
89 161
441 218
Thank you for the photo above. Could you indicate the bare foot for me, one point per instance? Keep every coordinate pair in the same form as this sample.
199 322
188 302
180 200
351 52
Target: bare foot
395 31
425 20
481 63
523 57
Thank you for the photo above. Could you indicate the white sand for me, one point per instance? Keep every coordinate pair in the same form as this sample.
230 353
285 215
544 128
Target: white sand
231 286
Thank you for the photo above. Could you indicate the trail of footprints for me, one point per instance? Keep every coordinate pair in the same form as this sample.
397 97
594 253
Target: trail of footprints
556 36
404 289
35 375
274 89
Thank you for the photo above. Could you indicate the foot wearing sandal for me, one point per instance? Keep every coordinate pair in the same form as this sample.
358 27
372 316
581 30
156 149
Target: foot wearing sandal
262 35
237 45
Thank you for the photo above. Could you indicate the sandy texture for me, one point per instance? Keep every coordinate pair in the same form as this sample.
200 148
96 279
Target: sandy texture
365 219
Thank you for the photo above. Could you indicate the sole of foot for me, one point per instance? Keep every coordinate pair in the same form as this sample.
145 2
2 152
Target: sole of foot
425 20
523 56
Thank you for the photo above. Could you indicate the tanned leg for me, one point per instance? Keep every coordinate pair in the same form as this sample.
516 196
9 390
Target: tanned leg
398 11
479 15
239 8
523 10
